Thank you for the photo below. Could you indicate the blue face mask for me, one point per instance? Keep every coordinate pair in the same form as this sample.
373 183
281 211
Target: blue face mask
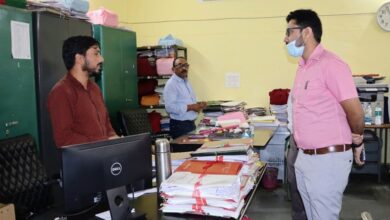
293 50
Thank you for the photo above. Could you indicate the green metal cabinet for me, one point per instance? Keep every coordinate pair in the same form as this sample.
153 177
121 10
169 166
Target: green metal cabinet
118 80
18 110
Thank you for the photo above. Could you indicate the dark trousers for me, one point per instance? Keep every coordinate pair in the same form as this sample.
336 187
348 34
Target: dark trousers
297 207
178 128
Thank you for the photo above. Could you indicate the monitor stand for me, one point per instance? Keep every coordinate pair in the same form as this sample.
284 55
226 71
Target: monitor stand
119 205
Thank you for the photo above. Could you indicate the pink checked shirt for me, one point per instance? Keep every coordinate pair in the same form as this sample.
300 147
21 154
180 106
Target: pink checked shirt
320 85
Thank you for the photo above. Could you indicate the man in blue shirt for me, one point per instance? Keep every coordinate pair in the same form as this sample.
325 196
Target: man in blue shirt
180 100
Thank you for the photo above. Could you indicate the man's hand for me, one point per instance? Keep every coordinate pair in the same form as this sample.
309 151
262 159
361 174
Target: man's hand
357 138
202 104
356 154
197 107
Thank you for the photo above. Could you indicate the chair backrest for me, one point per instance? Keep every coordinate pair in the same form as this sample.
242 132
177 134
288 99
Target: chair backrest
22 176
134 121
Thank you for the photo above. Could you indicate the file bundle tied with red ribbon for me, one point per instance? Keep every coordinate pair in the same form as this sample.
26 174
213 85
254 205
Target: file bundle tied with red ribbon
215 188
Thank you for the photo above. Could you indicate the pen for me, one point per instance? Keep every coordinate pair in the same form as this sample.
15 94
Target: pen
306 83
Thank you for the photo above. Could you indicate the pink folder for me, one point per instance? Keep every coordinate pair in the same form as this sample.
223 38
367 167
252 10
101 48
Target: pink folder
232 115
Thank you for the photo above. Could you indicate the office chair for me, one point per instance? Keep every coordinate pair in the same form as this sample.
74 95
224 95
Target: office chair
23 180
136 121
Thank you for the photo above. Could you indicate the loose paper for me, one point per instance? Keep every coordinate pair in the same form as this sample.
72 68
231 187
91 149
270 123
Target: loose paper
20 40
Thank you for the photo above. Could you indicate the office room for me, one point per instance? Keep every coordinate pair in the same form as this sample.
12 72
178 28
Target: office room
233 51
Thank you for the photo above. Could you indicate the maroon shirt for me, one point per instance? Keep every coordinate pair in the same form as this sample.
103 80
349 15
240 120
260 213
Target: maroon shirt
78 115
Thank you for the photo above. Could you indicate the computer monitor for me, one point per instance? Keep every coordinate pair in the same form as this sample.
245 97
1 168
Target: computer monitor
106 166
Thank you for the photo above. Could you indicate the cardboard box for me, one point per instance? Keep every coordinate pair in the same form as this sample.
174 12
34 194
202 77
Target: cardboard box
7 211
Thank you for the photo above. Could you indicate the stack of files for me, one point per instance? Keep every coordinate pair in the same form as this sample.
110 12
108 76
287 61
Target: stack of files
235 147
251 163
280 111
233 106
69 8
214 106
264 121
218 191
206 188
231 119
256 111
232 150
213 109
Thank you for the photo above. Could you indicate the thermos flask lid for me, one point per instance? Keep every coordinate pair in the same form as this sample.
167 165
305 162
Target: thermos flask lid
162 145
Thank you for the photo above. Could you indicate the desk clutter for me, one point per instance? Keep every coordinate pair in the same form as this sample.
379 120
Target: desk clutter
214 181
221 119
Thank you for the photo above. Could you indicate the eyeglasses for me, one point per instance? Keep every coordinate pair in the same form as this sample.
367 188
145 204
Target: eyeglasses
288 30
182 65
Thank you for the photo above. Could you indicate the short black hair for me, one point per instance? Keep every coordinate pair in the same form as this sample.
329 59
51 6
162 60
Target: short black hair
307 18
76 45
174 60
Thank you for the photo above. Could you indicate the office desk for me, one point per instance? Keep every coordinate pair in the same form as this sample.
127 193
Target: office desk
260 139
382 128
149 204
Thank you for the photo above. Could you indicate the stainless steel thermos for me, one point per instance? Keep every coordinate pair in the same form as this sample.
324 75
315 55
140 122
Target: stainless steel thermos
163 160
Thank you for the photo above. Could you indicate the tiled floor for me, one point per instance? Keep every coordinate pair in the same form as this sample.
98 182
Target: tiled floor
363 193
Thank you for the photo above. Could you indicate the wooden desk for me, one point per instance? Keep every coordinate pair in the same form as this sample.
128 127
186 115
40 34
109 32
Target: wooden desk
382 128
260 139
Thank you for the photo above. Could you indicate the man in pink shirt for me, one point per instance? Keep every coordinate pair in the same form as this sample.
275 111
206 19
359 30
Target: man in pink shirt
327 116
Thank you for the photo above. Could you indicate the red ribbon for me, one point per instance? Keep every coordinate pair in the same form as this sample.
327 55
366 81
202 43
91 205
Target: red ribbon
197 209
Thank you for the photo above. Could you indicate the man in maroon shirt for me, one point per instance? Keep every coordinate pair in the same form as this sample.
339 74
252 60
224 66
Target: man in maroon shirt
75 103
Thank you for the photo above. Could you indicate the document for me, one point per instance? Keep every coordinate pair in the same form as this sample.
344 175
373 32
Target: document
210 167
20 40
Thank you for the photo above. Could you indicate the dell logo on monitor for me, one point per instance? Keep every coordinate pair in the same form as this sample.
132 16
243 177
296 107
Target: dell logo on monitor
116 169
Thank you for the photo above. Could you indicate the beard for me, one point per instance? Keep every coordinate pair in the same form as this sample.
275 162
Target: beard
183 74
92 72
